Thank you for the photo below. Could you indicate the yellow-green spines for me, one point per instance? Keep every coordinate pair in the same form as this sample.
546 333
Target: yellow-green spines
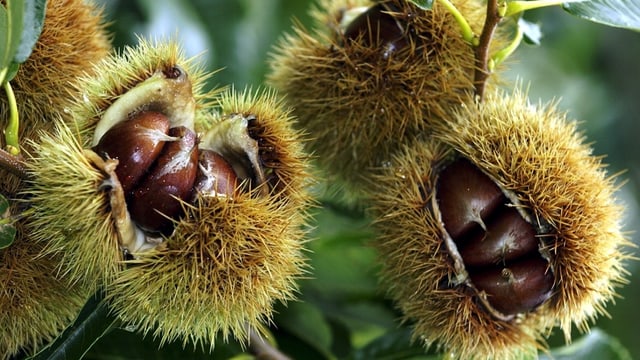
231 257
536 154
73 38
358 102
70 212
71 209
36 302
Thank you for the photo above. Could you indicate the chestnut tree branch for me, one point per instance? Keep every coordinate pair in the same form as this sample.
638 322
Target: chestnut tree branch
262 349
13 164
482 55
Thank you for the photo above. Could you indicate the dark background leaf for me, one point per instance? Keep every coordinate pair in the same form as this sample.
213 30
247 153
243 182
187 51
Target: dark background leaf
7 235
7 229
594 346
91 324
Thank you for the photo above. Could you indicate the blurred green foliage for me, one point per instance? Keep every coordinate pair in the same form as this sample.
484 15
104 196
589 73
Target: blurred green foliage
592 68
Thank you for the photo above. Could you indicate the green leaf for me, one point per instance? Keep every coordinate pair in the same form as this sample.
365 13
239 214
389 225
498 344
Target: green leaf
93 322
597 345
33 21
7 229
12 71
395 344
4 205
307 323
14 17
5 39
423 4
617 13
7 235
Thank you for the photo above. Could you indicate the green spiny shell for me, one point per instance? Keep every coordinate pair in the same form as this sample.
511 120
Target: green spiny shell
536 154
358 104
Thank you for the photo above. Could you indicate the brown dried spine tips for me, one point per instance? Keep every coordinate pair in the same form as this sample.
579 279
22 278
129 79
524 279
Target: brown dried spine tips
216 176
498 247
136 143
174 72
376 27
157 199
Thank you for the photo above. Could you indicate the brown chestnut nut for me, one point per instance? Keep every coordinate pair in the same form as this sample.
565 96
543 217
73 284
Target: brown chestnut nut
136 143
465 196
508 237
517 288
156 200
215 176
376 27
496 245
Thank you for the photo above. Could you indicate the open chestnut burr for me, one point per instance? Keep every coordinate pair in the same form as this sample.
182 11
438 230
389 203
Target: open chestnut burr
190 218
497 227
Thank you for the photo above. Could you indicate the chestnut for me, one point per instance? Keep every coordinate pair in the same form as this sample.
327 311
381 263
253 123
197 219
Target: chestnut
508 236
136 143
516 288
215 175
498 247
157 199
466 196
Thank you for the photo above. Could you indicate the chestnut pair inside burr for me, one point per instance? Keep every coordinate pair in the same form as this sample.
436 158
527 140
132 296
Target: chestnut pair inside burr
160 168
498 247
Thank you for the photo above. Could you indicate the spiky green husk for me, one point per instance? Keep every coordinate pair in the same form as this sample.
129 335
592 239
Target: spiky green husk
358 106
537 154
70 211
230 258
70 214
36 302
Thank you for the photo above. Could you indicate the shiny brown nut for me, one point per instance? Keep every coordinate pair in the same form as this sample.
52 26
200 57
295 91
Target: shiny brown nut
215 175
498 247
156 200
465 197
136 143
508 237
376 27
517 288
